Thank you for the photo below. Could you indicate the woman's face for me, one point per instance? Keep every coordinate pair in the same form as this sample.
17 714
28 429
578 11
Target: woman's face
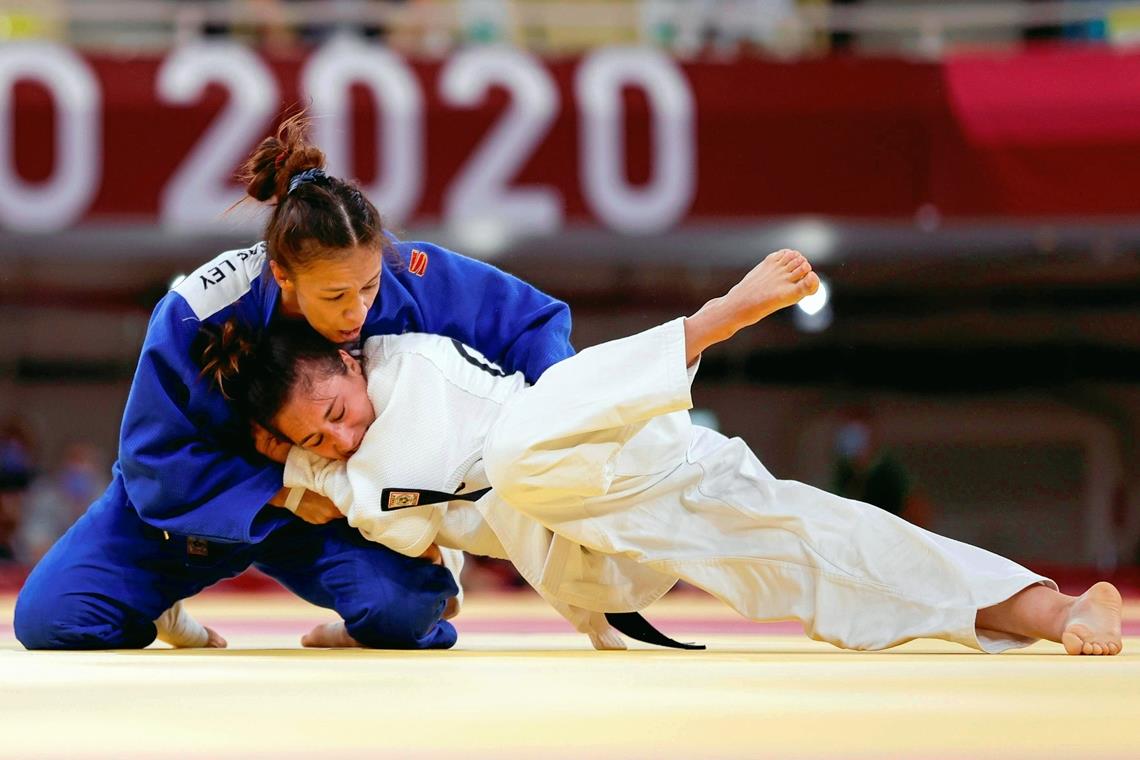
333 295
329 414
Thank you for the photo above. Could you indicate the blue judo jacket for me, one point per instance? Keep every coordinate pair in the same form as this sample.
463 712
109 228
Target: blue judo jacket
182 456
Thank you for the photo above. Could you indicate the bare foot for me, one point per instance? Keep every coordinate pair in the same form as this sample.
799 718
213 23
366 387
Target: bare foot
329 635
1093 626
781 279
214 640
179 629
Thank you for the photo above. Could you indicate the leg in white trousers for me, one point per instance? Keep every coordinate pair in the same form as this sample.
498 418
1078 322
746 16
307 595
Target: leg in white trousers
597 451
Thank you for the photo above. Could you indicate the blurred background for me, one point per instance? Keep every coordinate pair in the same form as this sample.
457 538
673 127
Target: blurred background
964 175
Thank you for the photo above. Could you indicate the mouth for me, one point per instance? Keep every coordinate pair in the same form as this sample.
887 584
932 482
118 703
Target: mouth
346 335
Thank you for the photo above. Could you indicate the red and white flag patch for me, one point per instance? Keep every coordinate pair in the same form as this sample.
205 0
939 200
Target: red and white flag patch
418 262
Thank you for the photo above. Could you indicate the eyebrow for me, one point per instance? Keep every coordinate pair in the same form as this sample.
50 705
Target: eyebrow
342 288
328 413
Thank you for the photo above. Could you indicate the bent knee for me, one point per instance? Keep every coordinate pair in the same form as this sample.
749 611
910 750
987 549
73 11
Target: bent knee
522 473
78 621
535 481
408 618
504 458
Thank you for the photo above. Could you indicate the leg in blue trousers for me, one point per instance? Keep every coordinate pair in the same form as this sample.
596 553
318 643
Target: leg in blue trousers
110 576
387 600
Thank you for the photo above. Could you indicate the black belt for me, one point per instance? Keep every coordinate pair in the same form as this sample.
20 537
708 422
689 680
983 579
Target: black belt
632 624
404 498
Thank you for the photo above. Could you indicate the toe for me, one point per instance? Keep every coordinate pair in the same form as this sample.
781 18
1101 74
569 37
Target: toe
1071 642
810 283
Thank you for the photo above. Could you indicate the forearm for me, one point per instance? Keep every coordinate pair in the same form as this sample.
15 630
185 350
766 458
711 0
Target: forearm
297 499
280 498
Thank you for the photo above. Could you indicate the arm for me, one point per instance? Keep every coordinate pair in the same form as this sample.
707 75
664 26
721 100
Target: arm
179 442
310 506
517 326
408 531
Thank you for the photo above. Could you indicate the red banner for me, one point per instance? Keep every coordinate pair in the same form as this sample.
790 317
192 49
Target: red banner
629 139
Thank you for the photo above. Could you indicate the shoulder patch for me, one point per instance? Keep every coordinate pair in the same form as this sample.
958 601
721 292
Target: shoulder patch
417 262
218 283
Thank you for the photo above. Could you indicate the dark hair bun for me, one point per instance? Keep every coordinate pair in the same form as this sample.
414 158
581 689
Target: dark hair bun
267 171
221 350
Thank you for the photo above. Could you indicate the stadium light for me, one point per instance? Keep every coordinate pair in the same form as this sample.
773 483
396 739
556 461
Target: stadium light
813 314
815 303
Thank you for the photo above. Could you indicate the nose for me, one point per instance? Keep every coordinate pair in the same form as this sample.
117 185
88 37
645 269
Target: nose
356 312
343 438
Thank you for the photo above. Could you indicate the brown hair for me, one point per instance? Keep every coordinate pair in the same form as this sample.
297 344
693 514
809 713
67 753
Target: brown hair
259 374
318 218
220 351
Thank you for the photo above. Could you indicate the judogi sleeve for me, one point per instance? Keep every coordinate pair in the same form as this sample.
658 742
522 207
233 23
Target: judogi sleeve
408 531
179 473
512 323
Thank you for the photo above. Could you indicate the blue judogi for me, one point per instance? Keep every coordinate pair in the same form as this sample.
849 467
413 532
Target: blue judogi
186 506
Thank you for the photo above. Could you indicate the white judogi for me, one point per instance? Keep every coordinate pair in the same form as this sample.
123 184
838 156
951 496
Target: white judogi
435 400
601 451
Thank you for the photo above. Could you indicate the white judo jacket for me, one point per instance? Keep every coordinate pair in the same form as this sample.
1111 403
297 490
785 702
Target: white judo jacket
435 401
601 452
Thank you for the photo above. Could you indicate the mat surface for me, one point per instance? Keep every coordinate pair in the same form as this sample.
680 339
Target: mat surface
521 684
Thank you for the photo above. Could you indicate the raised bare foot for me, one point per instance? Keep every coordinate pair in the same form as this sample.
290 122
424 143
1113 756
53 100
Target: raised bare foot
1093 626
329 635
781 279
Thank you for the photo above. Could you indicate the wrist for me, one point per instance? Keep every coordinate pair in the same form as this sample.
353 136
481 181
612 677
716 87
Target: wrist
293 499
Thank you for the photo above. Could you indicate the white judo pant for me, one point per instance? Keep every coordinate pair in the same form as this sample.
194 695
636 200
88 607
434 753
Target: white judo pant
601 451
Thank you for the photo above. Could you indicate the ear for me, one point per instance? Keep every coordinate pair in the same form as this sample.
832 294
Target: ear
350 363
281 276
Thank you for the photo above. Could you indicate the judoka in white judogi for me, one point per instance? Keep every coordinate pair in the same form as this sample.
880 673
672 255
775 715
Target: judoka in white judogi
604 494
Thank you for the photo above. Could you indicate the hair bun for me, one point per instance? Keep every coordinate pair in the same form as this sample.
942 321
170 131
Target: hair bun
267 171
222 350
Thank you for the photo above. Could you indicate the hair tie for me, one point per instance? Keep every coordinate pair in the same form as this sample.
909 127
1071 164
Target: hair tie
301 178
280 158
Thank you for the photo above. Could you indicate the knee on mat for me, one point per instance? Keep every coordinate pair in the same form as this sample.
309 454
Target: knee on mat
408 618
74 621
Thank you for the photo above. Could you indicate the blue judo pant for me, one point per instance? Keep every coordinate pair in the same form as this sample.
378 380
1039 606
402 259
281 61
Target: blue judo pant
111 575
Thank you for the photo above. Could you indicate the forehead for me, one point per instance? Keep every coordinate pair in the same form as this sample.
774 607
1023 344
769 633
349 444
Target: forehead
306 406
353 268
